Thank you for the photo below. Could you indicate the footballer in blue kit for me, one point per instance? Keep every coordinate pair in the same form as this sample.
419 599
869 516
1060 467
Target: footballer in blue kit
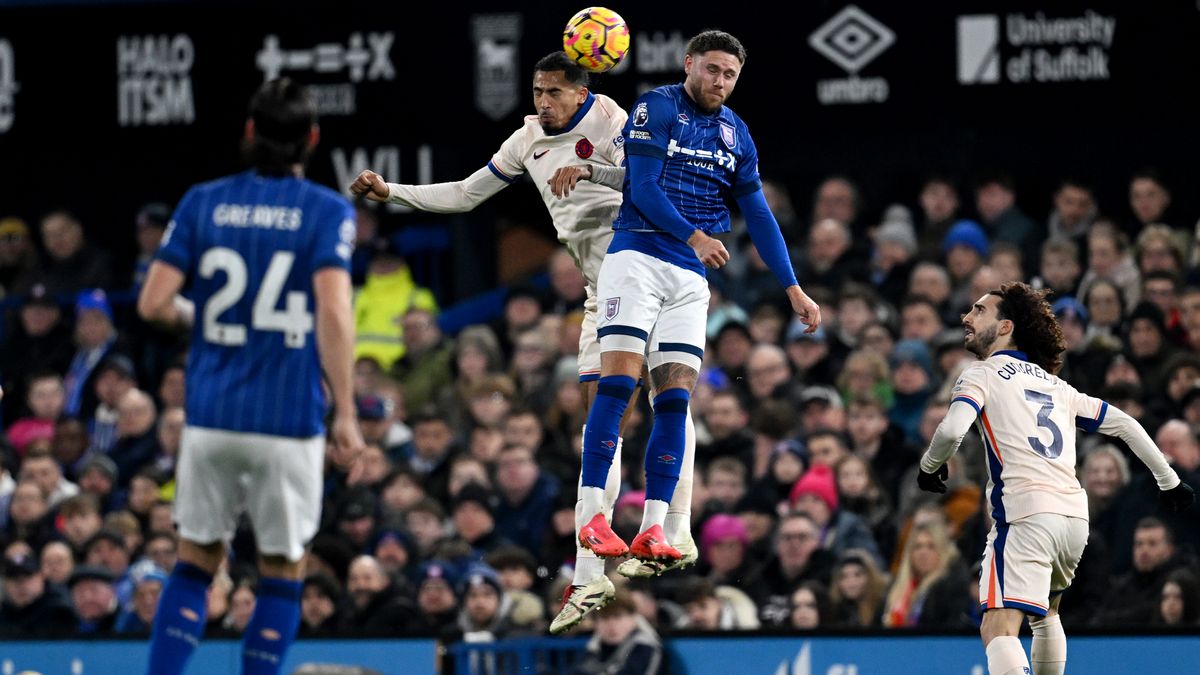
686 153
267 256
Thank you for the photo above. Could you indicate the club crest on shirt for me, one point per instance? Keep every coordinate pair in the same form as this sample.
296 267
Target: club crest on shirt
611 307
584 148
641 115
728 136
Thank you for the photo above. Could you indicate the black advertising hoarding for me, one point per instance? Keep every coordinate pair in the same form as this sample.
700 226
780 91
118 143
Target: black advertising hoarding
105 107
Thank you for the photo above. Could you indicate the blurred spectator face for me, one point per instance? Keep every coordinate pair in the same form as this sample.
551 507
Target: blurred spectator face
814 507
516 474
93 599
565 277
786 468
939 201
835 199
62 236
1006 265
241 607
704 613
431 439
148 236
57 562
1162 293
805 614
366 376
472 521
909 378
420 331
725 555
525 430
401 493
919 321
852 477
924 557
851 580
796 542
161 520
804 354
1101 476
725 416
983 280
1104 304
1121 371
486 443
931 282
375 464
79 526
876 338
1059 270
364 580
962 261
766 326
111 386
145 599
1073 332
38 319
109 555
733 349
46 398
15 245
615 627
1144 338
1151 548
515 578
135 414
865 424
758 525
766 369
1073 204
92 329
481 603
568 398
465 471
1103 254
1156 255
827 242
490 408
28 503
315 606
993 199
173 390
472 363
725 487
853 315
435 597
820 415
1171 604
143 492
931 419
164 552
426 528
1179 445
170 431
357 530
23 590
42 471
70 440
522 312
1148 199
826 450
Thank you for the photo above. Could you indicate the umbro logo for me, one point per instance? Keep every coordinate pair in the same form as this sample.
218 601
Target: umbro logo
539 155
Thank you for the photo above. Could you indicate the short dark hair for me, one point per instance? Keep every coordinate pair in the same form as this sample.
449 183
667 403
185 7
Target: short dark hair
560 62
1153 523
718 40
1162 275
283 112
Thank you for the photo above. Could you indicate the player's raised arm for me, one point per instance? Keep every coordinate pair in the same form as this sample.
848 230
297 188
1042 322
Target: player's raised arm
1173 492
457 197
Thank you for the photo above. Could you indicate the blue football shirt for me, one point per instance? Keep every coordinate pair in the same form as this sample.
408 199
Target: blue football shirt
250 245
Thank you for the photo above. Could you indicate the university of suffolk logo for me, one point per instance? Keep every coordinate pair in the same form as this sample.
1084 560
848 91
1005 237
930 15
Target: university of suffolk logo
611 307
584 148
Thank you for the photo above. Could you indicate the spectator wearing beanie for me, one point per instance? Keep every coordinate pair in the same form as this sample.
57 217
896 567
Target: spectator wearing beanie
815 494
965 249
894 255
1146 343
912 385
723 546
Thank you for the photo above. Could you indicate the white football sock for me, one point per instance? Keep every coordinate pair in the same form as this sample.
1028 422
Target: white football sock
655 514
678 523
1049 650
588 567
1006 656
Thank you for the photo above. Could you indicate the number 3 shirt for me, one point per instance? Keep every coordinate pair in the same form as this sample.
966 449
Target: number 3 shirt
249 246
1027 419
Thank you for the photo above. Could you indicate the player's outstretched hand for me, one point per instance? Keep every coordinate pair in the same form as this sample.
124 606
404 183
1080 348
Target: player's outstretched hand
710 251
805 308
348 446
1178 498
371 185
565 178
933 482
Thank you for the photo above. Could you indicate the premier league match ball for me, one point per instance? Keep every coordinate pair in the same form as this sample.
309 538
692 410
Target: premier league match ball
597 39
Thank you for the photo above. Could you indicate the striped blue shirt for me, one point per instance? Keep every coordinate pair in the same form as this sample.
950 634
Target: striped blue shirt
249 245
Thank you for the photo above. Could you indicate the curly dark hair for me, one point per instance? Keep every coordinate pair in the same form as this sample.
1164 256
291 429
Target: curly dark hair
1035 329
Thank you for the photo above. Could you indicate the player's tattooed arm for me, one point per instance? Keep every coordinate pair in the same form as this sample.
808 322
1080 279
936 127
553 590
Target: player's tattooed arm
673 376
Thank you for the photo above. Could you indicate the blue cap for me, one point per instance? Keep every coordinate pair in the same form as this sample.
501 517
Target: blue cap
437 569
372 407
966 233
1068 307
478 575
94 299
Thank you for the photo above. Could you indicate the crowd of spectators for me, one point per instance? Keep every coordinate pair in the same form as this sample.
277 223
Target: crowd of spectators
461 524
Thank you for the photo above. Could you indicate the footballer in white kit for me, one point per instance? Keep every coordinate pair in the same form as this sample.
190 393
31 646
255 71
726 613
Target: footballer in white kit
1027 419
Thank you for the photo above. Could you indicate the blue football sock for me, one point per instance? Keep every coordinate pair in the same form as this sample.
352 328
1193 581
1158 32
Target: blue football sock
664 450
273 627
180 620
603 427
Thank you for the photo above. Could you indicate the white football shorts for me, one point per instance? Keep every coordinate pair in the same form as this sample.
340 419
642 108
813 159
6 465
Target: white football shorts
648 306
588 252
276 480
1028 561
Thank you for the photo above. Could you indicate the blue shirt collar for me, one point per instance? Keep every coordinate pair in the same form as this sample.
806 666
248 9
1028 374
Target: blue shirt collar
577 117
1015 353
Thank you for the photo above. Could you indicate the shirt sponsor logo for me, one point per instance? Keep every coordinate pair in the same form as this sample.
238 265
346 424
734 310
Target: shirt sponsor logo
635 135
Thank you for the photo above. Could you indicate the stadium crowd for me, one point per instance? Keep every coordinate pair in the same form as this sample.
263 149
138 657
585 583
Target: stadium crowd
460 522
